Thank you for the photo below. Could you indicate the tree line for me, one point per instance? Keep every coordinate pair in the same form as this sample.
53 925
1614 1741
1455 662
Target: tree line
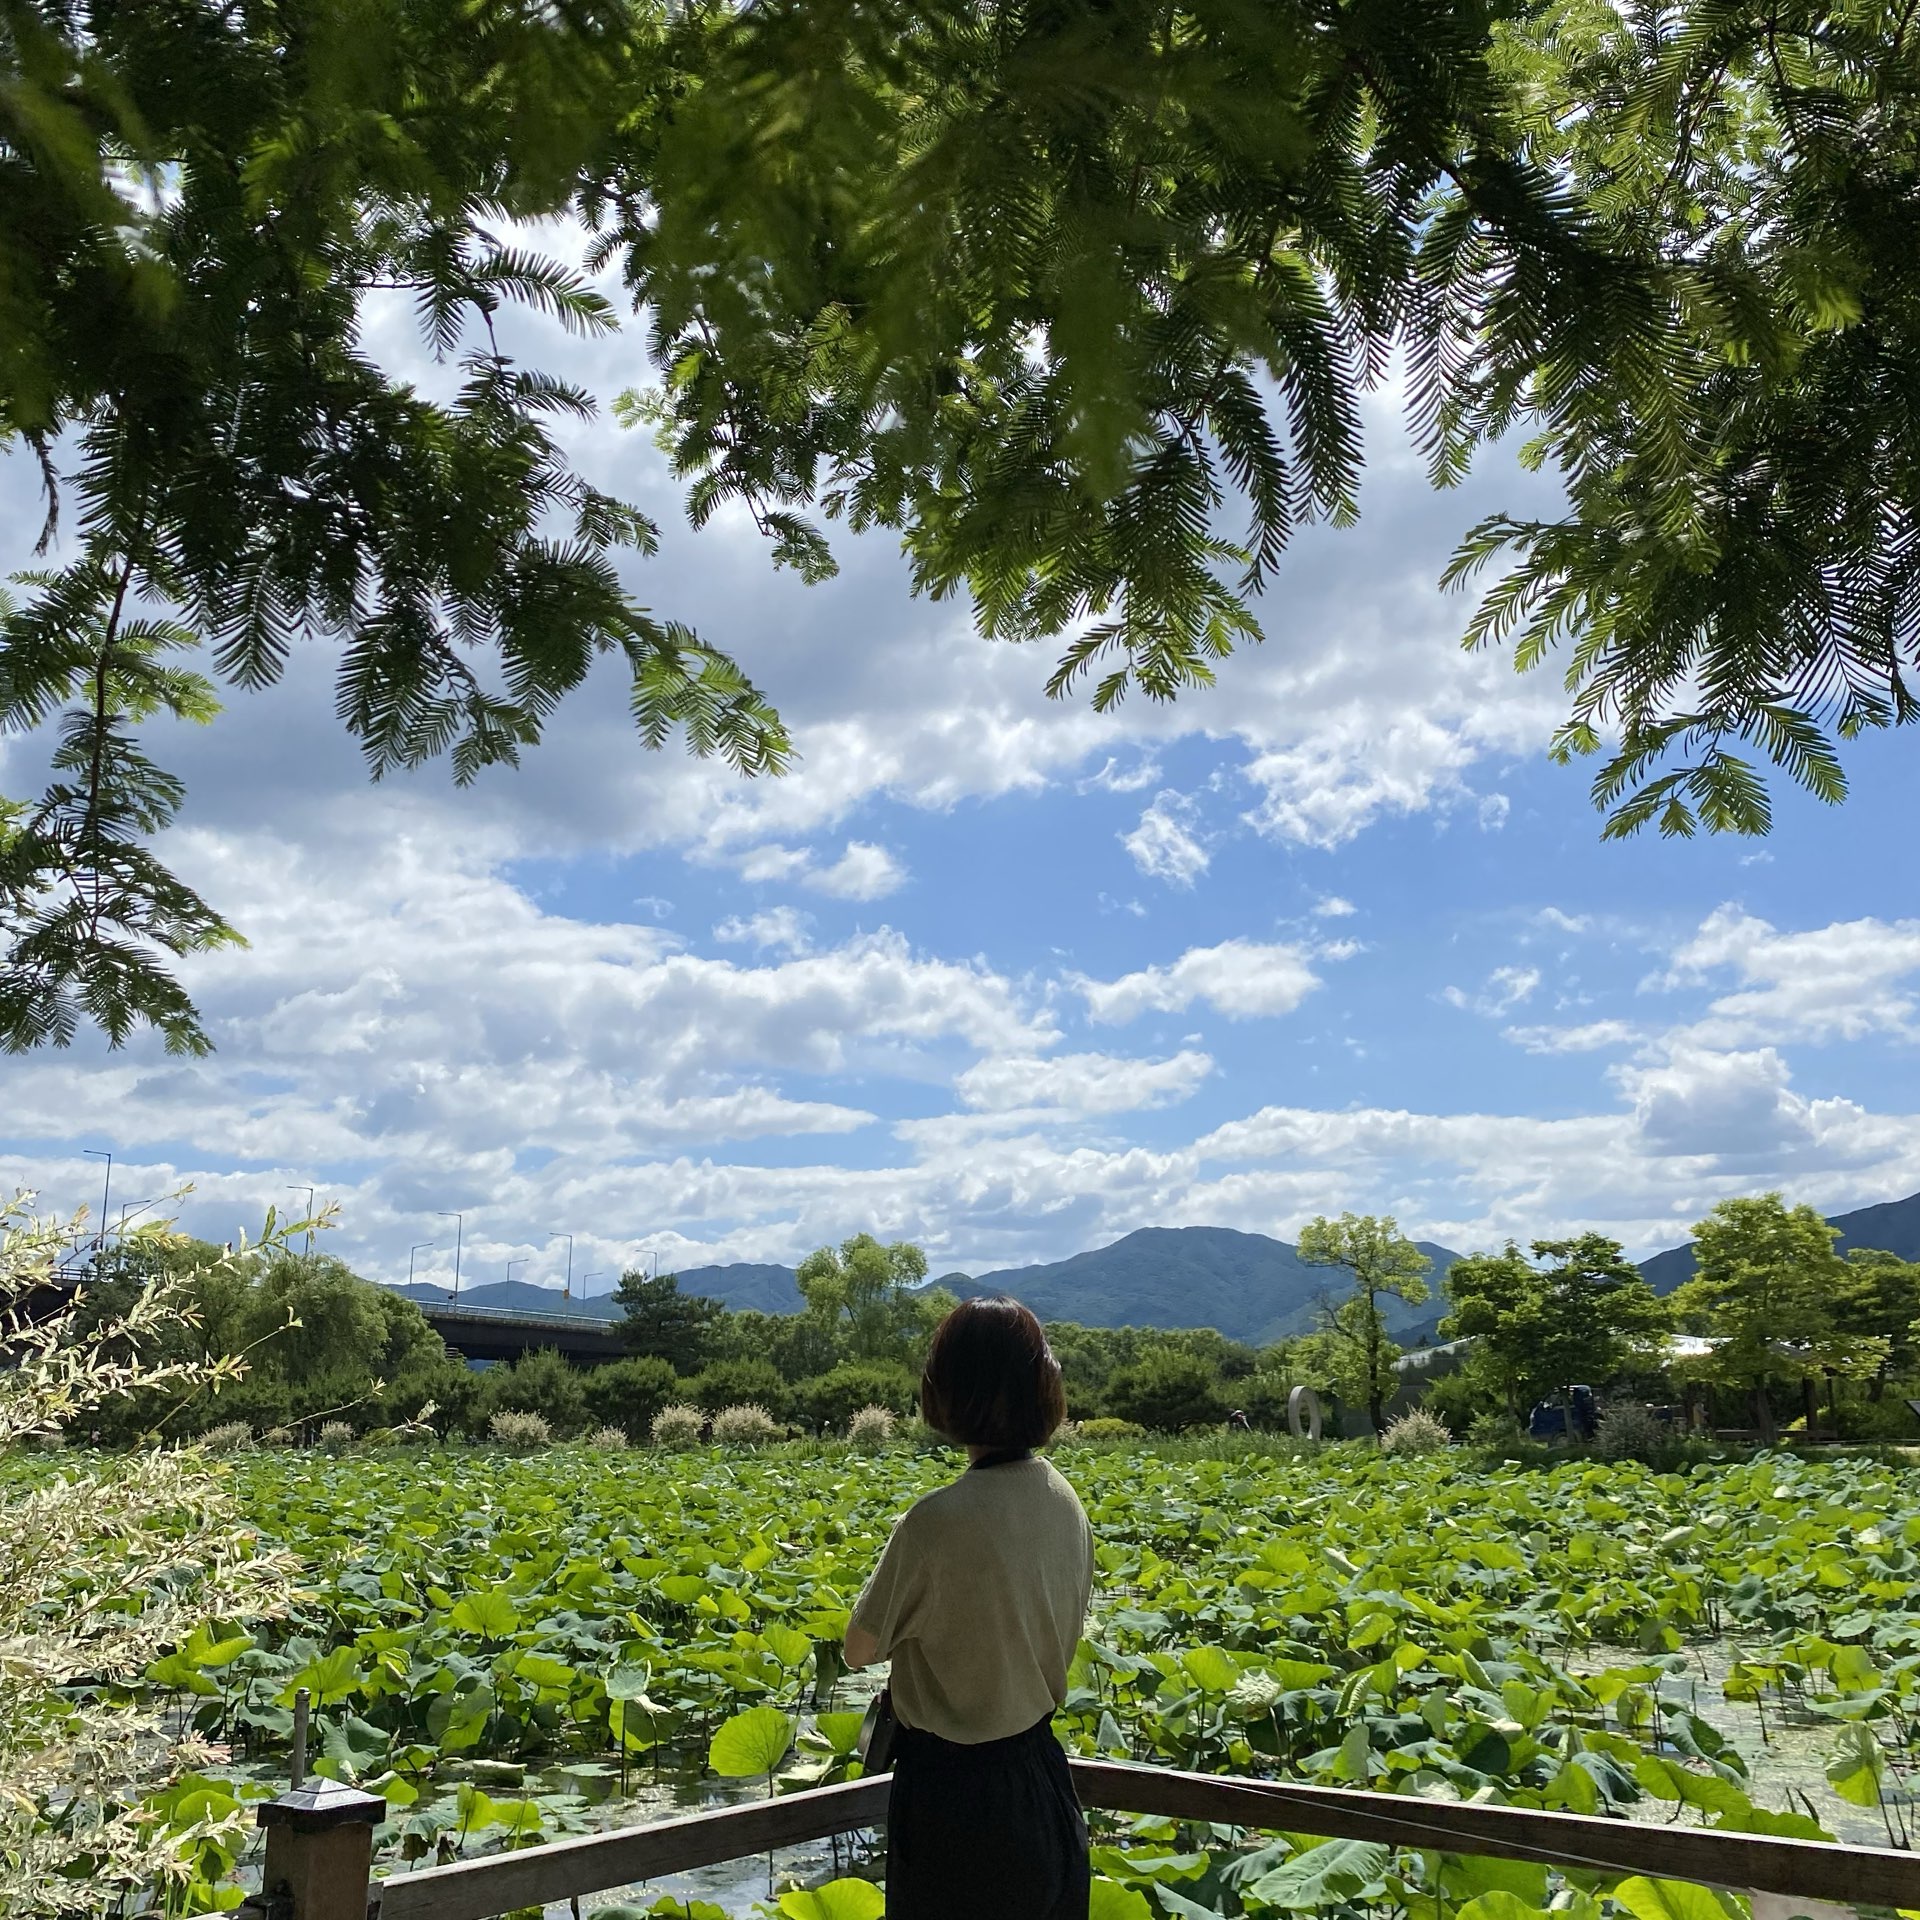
1773 1312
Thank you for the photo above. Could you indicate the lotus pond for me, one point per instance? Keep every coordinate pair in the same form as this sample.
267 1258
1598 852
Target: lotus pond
512 1648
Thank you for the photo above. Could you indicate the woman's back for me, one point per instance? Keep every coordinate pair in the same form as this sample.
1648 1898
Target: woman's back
979 1601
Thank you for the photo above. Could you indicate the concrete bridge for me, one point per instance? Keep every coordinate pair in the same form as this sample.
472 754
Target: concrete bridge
504 1333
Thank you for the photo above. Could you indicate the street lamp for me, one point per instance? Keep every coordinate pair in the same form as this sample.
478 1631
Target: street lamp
459 1226
554 1233
106 1193
422 1246
135 1208
308 1191
519 1260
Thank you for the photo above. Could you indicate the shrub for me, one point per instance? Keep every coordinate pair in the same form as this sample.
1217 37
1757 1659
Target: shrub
608 1439
277 1437
915 1433
739 1383
539 1383
1495 1429
1416 1431
228 1437
1629 1431
628 1393
1167 1390
748 1426
830 1400
512 1429
678 1427
1108 1428
335 1434
1885 1419
870 1429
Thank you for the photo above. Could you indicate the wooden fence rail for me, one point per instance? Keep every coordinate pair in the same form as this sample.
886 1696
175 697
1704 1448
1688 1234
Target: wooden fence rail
479 1889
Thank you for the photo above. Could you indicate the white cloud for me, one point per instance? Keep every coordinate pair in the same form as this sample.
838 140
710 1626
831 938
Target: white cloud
1115 778
1845 981
1164 845
1505 989
1240 978
864 871
779 930
1702 1104
1590 1038
1333 907
1082 1083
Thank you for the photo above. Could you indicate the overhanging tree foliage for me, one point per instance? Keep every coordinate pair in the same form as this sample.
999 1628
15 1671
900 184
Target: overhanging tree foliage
1082 300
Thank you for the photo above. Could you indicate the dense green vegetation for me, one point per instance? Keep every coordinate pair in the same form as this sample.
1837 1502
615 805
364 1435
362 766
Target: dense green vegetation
1778 1315
508 1664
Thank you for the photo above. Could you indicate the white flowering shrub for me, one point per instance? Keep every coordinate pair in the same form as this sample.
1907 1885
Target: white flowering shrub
678 1427
228 1437
748 1426
607 1440
335 1434
870 1429
78 1538
520 1430
1416 1431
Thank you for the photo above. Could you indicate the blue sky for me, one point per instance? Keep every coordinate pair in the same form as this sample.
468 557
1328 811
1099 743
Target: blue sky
995 973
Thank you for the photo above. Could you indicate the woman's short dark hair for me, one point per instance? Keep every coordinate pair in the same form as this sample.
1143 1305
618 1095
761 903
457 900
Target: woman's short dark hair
991 1379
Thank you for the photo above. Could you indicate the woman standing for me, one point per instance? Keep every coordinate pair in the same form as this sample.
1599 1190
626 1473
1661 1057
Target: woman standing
979 1601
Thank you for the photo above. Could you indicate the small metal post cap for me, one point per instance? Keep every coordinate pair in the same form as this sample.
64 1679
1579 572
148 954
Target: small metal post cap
322 1804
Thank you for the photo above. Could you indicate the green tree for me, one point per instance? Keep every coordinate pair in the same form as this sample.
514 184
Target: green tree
657 1319
830 1400
628 1393
1878 1299
538 1382
1384 1265
1167 1390
1765 1278
1582 1317
740 1383
1030 286
868 1297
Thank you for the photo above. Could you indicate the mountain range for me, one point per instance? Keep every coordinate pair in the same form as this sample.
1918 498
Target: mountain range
1248 1286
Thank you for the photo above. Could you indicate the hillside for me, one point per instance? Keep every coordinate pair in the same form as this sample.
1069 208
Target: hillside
1248 1286
766 1289
1892 1225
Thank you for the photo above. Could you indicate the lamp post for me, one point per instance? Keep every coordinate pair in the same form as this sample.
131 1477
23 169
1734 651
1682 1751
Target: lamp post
106 1193
554 1233
519 1260
459 1226
308 1191
422 1246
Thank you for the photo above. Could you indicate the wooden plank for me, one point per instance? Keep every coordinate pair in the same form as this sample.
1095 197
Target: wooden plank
477 1889
1801 1869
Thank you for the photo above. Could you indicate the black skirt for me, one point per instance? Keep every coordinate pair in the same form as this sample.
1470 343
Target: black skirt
994 1829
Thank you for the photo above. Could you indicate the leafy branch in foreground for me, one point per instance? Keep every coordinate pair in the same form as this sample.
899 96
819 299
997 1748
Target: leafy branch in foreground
200 214
102 1567
1083 301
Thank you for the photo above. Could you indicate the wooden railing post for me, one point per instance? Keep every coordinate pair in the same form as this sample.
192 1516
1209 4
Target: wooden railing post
319 1852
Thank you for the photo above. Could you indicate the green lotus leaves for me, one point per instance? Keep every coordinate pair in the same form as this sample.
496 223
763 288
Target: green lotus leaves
837 1900
751 1743
556 1635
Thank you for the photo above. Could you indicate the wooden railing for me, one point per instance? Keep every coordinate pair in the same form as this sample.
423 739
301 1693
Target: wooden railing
318 1844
